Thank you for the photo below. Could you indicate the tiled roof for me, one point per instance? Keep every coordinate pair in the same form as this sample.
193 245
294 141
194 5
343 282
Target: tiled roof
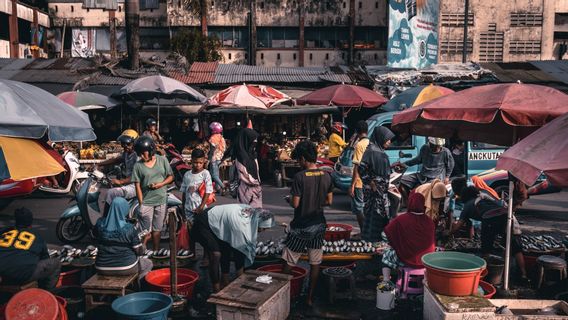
200 72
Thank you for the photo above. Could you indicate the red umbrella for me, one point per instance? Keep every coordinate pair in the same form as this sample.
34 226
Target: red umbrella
546 150
498 113
248 96
344 95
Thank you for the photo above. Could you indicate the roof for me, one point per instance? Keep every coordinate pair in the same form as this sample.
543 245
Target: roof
199 73
558 69
550 73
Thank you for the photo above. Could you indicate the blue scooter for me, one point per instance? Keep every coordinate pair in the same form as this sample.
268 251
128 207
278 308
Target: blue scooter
79 218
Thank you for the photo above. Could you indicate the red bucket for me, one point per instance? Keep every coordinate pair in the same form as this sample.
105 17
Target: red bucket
298 273
338 235
488 288
159 280
450 283
69 278
33 304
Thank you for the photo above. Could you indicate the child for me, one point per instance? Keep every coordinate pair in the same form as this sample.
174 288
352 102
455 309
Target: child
151 176
193 202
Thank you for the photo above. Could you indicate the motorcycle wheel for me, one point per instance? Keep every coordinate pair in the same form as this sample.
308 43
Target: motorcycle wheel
71 230
165 234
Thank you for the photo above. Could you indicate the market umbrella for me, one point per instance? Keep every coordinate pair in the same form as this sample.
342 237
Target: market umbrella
30 112
497 114
544 151
344 95
84 101
22 159
248 96
159 87
415 96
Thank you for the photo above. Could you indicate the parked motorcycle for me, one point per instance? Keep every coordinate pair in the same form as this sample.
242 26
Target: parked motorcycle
75 175
179 167
79 218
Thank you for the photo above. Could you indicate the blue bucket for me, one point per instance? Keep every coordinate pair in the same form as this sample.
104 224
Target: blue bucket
143 306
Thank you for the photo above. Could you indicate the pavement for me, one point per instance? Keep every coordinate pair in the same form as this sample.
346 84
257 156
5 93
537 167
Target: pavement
540 214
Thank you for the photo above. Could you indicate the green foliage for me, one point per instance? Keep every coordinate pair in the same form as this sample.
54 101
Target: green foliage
195 47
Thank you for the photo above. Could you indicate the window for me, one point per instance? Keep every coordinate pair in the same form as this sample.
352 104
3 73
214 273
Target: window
376 56
262 56
327 56
360 5
371 37
278 56
56 9
311 56
526 19
230 56
154 38
524 46
294 56
455 46
482 145
397 142
456 19
262 5
119 8
343 56
246 56
326 37
230 37
491 46
344 5
277 37
376 5
24 33
359 55
72 9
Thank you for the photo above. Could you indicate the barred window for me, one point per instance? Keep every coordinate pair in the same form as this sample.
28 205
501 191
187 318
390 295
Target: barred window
455 46
456 19
526 19
491 46
524 47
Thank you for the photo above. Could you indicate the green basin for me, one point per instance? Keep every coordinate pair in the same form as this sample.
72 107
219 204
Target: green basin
453 261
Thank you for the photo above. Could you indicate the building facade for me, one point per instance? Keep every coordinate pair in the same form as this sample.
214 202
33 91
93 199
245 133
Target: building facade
23 30
300 32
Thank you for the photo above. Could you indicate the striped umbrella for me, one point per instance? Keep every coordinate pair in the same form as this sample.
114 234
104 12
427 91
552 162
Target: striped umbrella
87 100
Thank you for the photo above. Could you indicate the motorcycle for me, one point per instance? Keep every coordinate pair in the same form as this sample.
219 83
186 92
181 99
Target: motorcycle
395 195
178 165
74 177
79 218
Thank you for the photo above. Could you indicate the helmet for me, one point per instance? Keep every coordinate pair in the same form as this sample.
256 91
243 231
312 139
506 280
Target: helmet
151 122
216 127
145 143
125 139
130 132
337 126
437 141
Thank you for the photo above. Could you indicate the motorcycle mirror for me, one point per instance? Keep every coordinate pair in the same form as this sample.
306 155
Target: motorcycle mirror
404 155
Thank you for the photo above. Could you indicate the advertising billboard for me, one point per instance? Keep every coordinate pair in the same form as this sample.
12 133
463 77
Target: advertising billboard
413 33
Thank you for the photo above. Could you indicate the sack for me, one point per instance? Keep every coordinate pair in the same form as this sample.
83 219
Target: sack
212 198
183 237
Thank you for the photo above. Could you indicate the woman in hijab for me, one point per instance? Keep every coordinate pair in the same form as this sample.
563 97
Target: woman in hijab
229 232
435 193
249 190
410 235
119 245
374 170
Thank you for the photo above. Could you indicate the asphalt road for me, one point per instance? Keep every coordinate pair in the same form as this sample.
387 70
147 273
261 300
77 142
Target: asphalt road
544 213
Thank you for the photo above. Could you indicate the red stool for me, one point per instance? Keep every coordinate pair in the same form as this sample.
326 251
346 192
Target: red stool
410 281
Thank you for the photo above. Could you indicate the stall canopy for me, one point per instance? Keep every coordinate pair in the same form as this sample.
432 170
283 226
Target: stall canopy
343 95
415 96
248 97
544 151
30 112
84 101
498 113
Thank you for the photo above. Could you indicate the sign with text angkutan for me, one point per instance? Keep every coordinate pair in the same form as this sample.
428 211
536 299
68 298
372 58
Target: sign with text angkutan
413 33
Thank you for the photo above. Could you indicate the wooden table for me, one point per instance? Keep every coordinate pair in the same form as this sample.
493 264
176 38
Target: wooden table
245 298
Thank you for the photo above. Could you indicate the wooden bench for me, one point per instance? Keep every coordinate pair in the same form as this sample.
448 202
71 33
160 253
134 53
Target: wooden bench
12 289
99 286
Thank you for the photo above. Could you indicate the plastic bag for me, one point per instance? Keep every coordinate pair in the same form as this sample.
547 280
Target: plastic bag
183 237
212 198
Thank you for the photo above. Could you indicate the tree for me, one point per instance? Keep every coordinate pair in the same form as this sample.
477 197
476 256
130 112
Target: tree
132 9
195 47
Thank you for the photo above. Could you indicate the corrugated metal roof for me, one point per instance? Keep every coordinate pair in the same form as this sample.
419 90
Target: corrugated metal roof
204 67
557 69
14 64
524 72
47 76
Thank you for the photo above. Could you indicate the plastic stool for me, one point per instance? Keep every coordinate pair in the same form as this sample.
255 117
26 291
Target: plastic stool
334 275
410 281
545 263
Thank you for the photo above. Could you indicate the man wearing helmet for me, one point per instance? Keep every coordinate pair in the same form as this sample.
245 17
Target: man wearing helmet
219 146
151 175
336 143
152 132
437 163
124 188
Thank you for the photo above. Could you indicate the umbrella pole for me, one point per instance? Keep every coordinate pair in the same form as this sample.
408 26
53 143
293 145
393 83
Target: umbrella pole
508 235
158 127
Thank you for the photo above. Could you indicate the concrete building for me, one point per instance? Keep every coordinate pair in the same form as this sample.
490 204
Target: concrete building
292 33
22 30
504 31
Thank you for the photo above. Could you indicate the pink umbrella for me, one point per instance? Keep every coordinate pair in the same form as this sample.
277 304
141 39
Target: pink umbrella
344 95
248 96
544 151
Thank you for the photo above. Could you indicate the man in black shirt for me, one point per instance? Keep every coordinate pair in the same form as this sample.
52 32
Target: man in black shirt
493 216
311 191
24 254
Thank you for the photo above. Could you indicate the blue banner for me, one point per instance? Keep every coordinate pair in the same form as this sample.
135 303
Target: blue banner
413 33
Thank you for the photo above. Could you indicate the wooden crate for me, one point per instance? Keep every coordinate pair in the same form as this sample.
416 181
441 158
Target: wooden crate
246 299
